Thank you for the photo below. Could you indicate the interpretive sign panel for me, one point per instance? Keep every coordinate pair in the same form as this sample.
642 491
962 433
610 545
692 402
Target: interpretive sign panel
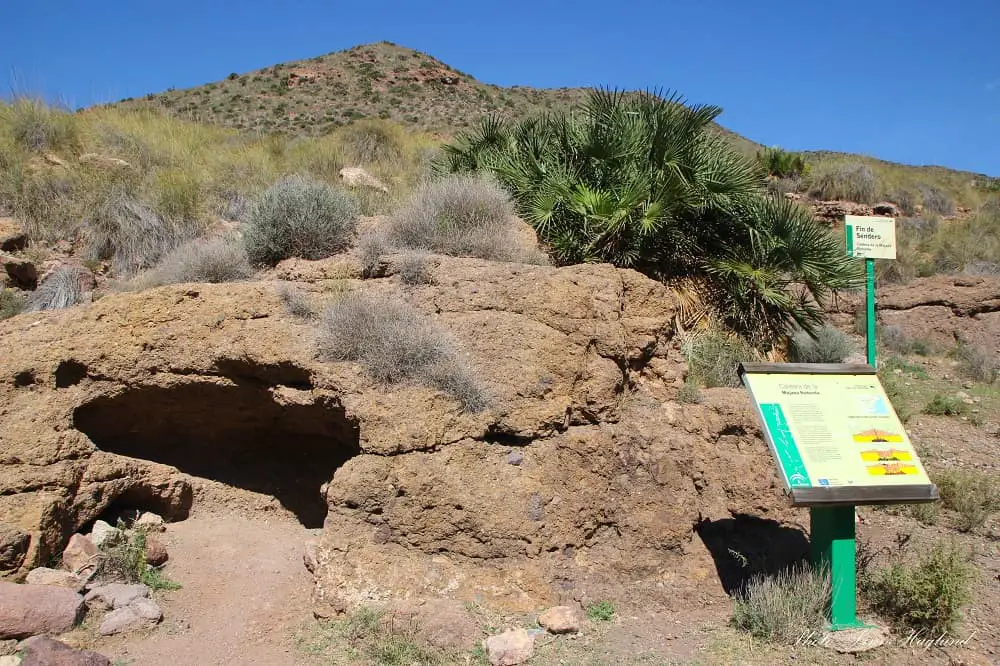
835 436
870 237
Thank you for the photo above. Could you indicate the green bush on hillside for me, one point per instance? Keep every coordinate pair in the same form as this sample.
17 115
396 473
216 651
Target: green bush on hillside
927 593
11 303
642 181
714 357
782 163
369 141
851 182
973 494
299 217
936 201
38 127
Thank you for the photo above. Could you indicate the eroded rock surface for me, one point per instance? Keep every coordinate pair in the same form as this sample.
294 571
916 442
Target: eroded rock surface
133 401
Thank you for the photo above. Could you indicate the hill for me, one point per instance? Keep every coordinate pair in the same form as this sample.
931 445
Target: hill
382 80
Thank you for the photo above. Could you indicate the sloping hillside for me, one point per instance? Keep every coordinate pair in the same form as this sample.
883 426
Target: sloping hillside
380 80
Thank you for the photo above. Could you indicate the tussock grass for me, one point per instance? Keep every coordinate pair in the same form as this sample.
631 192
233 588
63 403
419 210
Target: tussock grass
973 494
215 260
977 363
852 181
395 343
296 303
300 217
413 269
463 216
784 607
829 346
131 234
714 356
59 290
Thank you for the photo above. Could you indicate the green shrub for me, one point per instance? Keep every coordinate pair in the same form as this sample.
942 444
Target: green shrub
59 290
784 607
37 127
906 199
395 343
179 195
601 612
945 405
782 163
926 594
926 513
975 495
132 235
367 142
714 357
642 180
689 393
124 561
829 346
850 181
461 215
299 217
201 260
11 303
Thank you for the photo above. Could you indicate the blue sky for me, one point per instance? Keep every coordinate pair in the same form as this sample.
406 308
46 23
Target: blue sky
915 82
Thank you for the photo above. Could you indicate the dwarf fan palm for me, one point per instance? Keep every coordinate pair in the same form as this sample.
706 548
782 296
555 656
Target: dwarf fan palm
640 180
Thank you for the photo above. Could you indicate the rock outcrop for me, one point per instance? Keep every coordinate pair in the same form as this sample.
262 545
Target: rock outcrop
134 401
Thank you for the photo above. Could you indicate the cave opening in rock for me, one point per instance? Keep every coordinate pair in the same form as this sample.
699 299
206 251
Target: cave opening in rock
243 433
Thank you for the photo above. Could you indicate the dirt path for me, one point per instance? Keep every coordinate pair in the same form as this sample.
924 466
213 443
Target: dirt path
245 590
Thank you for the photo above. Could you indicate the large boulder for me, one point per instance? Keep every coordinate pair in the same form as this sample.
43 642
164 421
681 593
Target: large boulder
13 547
28 610
138 398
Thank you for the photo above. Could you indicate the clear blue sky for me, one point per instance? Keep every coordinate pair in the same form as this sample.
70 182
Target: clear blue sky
914 81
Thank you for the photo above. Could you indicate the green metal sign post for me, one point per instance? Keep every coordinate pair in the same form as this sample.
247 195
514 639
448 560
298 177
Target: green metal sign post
834 545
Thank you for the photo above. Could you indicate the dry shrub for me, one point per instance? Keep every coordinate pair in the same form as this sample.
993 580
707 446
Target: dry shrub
131 234
300 217
59 290
395 343
201 260
784 607
462 216
714 356
829 346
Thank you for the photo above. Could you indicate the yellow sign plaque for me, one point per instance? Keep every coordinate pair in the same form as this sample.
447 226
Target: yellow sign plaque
870 237
834 430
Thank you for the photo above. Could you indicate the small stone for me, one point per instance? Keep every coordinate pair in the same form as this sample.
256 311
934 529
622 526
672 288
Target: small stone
510 648
45 651
115 595
147 609
560 620
150 521
309 556
28 610
851 641
103 534
119 621
57 577
156 552
515 458
10 660
79 553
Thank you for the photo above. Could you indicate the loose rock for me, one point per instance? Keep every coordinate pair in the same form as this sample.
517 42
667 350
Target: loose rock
79 553
150 521
515 458
115 595
560 620
22 272
28 610
854 640
510 648
45 651
104 534
309 556
358 177
57 577
156 552
147 609
119 621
